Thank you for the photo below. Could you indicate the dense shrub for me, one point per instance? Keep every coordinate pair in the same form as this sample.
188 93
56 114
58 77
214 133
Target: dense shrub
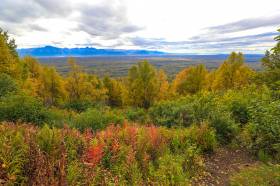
238 102
22 108
96 119
183 112
263 131
79 106
226 128
168 113
59 118
195 109
203 136
138 115
7 85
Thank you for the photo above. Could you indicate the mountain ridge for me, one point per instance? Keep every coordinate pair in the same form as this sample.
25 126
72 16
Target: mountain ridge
51 51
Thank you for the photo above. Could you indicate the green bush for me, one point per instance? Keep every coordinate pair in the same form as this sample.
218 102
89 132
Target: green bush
22 108
96 119
183 112
58 118
79 106
225 127
264 175
204 136
168 113
238 102
170 171
138 115
195 109
7 85
265 128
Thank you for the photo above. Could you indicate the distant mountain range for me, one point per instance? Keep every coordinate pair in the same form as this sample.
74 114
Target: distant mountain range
50 51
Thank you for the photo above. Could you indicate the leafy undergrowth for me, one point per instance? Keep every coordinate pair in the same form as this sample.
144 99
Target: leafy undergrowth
264 175
127 155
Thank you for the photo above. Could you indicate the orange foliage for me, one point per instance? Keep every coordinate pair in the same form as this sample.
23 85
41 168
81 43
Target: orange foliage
94 155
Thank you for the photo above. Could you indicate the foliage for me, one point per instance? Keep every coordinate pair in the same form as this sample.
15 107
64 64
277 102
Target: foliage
204 136
179 121
265 128
191 80
82 87
271 63
7 85
143 85
138 115
9 63
13 156
96 119
129 155
22 108
233 73
115 91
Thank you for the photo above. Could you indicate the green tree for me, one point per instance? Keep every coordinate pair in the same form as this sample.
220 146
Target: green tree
271 63
142 85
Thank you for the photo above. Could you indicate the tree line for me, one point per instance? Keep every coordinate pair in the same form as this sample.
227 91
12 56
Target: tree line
142 87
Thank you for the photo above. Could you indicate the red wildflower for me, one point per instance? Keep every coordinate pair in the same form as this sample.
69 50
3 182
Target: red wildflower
154 135
94 155
131 135
88 135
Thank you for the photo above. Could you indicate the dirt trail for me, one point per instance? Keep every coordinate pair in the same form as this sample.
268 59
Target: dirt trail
223 163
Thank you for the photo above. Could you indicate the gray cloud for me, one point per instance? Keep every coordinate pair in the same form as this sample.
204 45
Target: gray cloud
17 11
107 21
37 28
246 24
204 43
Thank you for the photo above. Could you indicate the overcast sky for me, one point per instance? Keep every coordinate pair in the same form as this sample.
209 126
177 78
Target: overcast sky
185 26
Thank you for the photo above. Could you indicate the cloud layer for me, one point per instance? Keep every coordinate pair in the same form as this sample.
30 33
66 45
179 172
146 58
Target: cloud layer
107 19
246 24
112 24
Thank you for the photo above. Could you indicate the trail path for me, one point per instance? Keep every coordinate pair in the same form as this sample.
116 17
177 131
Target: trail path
222 164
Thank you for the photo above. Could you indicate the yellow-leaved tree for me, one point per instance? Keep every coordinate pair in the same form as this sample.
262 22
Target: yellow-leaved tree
190 80
81 86
51 87
164 87
142 85
232 74
32 71
115 91
9 62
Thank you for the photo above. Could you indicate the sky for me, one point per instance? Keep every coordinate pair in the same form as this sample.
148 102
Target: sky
175 26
